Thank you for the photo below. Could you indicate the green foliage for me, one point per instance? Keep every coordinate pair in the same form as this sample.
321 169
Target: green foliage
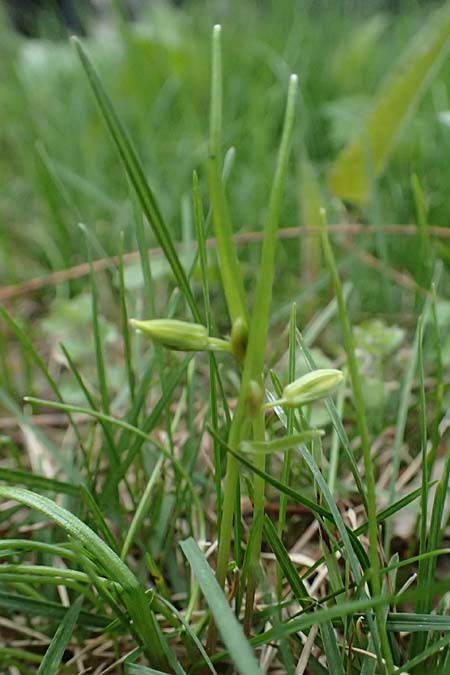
179 487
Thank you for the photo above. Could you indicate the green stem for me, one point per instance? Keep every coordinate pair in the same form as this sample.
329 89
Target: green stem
216 344
254 358
228 263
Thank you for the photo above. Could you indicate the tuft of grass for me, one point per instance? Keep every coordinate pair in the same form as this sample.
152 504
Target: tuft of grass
220 511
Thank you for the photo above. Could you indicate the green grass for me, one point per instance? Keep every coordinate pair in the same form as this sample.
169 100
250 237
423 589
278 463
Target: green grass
171 512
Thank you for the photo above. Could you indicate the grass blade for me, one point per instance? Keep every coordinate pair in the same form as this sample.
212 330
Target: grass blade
142 509
52 658
124 321
136 174
52 610
337 424
229 266
334 661
227 624
33 480
296 584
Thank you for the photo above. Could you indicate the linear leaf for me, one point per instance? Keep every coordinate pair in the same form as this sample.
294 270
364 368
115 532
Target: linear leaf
52 658
331 650
295 582
33 480
394 104
136 174
25 605
229 627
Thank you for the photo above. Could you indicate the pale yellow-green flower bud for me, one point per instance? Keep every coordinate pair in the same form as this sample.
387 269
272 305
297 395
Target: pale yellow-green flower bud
311 387
180 335
308 388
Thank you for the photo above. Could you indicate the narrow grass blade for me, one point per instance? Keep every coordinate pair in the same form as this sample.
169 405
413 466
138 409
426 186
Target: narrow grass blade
263 295
53 656
13 545
136 174
403 414
125 325
329 639
335 444
52 610
337 424
413 623
88 397
323 487
424 263
98 341
227 624
142 509
97 516
437 403
296 584
34 480
229 266
394 104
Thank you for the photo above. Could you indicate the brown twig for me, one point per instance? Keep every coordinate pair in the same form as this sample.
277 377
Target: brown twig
79 271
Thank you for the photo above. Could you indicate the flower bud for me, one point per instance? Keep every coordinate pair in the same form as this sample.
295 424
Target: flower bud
178 335
311 387
181 336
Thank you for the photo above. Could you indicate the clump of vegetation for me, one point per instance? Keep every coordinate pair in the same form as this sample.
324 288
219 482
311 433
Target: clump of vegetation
223 493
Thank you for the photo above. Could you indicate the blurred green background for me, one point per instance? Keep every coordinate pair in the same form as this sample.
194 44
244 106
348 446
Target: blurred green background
58 166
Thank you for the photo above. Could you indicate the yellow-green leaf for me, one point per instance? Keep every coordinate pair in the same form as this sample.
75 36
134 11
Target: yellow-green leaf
369 150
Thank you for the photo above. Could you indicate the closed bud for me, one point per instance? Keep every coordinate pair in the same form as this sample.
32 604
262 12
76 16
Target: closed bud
181 336
308 388
311 387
